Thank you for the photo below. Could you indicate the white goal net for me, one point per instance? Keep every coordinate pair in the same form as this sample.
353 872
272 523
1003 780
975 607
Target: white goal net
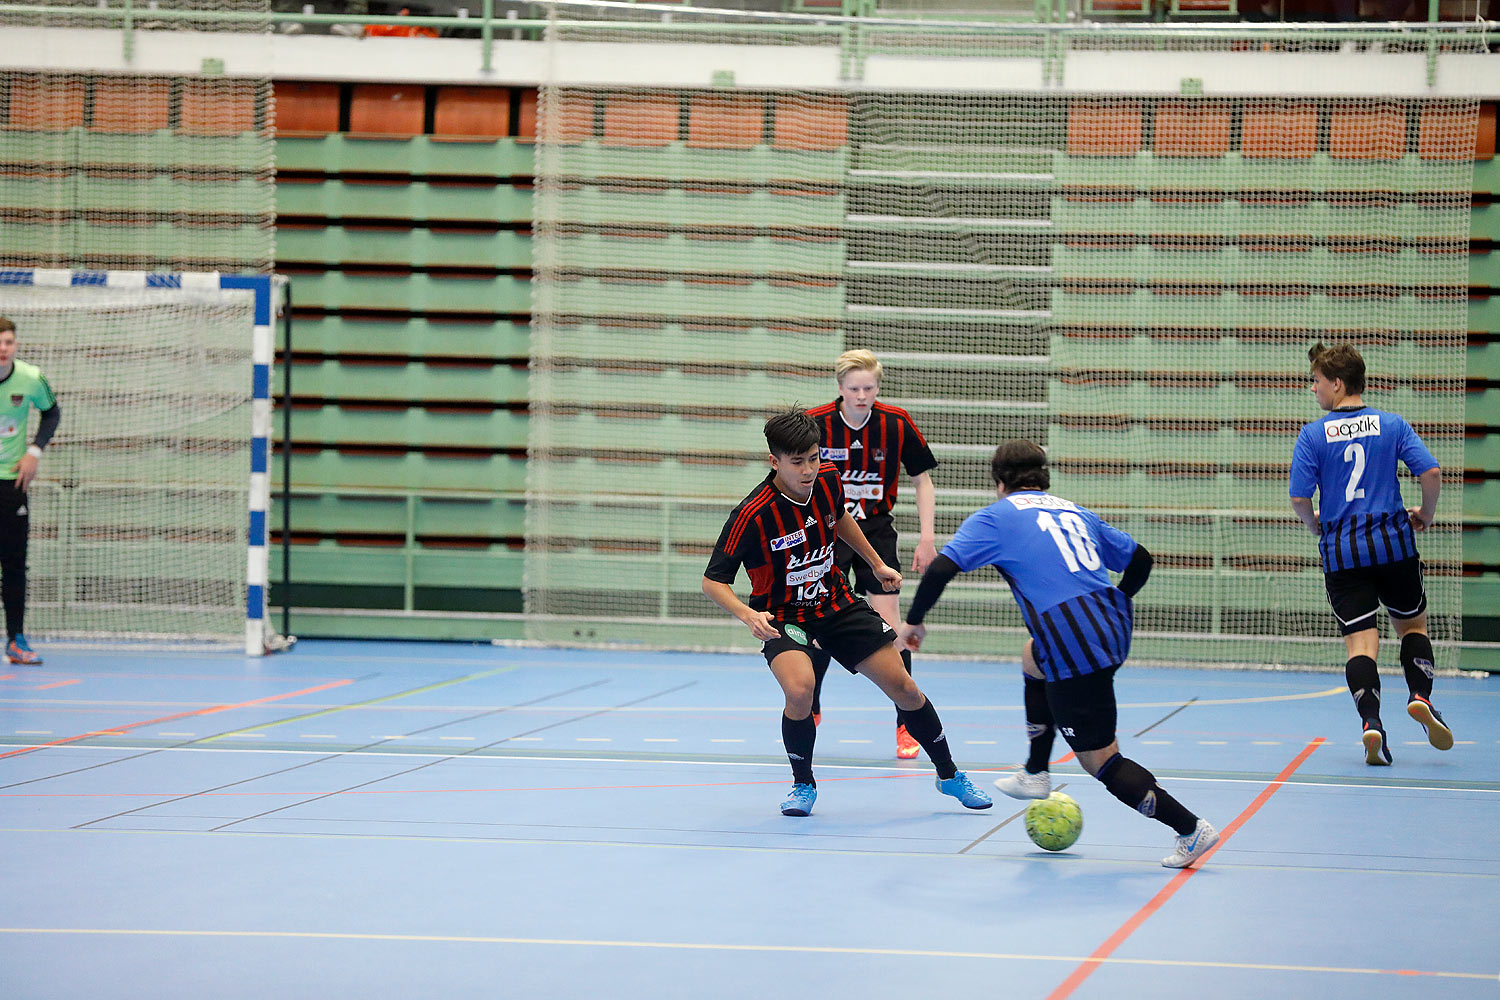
139 509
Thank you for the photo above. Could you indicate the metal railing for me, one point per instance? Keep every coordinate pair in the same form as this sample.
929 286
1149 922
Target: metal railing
1051 30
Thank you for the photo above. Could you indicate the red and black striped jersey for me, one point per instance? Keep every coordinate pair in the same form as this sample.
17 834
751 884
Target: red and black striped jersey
867 456
787 548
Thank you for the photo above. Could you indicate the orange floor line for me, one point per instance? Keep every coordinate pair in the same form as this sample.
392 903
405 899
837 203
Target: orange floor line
119 730
1178 881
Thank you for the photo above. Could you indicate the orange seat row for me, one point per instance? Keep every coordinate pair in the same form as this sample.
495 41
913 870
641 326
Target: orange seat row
1362 130
709 121
1270 129
131 105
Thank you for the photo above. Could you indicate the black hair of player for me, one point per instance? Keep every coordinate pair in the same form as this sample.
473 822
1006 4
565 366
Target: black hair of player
791 432
1340 361
1020 465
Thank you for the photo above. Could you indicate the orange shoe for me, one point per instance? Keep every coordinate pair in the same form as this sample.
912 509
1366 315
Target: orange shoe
906 747
817 719
20 651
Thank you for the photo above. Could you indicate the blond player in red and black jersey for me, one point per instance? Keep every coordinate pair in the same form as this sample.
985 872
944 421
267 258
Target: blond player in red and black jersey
871 442
784 534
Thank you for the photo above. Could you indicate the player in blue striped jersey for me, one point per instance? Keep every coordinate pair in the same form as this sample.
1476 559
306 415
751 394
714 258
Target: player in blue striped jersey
1055 555
1367 537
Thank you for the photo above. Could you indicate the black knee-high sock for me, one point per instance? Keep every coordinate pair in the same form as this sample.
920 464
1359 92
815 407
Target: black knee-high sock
1417 662
799 735
905 662
1135 786
927 729
1364 685
820 661
1040 730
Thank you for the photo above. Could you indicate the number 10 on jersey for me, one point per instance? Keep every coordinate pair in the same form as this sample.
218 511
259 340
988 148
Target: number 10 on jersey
1072 538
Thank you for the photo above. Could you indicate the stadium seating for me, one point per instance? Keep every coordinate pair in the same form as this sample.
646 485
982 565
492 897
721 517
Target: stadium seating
355 439
407 238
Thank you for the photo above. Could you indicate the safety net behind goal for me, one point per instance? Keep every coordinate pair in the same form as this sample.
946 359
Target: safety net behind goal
156 171
1133 282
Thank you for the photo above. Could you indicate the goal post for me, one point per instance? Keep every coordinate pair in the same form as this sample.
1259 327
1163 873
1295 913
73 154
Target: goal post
150 513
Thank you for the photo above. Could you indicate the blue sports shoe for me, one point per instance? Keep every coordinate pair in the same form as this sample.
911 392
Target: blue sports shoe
20 651
800 801
961 788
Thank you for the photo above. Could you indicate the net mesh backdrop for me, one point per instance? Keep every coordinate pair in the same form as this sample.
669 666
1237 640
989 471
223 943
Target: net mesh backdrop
1132 282
138 513
101 171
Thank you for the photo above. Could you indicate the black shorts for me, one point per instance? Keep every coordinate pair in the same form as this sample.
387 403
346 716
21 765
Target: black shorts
849 636
1083 708
881 531
1356 594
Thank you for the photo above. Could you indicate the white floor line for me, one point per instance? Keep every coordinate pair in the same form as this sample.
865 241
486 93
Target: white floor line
636 762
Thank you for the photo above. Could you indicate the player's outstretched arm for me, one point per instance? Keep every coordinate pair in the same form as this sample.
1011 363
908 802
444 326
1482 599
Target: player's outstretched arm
1303 508
1432 484
853 536
926 521
758 622
912 631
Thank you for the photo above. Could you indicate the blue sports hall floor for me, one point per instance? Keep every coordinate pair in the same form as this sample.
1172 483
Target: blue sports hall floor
440 820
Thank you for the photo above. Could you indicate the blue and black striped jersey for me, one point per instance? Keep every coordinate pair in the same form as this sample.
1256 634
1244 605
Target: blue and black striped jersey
1055 554
1349 459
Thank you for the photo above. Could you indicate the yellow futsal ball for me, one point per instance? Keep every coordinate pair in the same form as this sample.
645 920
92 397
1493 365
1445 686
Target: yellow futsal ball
1054 823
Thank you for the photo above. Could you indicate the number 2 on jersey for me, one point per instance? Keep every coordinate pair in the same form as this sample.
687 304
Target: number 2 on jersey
1354 452
1072 540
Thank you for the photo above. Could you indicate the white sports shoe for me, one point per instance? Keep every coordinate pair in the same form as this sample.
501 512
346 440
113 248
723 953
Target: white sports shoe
1021 785
1193 846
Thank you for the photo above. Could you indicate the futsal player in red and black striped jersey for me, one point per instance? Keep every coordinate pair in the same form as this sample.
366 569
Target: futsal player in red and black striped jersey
784 535
871 442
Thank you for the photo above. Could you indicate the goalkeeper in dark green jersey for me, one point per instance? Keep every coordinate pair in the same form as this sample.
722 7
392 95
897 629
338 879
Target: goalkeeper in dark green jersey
22 386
